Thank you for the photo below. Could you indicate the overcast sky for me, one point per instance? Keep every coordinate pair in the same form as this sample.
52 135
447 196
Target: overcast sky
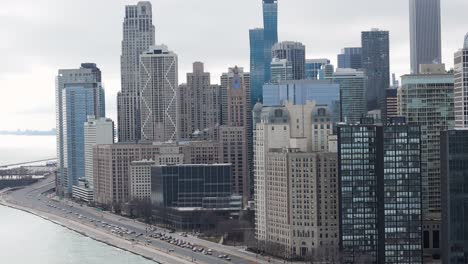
38 37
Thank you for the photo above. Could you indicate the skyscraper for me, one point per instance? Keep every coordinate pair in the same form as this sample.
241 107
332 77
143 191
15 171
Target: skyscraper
237 128
96 131
350 58
380 192
159 94
461 86
425 33
426 99
281 70
454 169
257 63
138 36
79 93
270 32
352 94
376 65
293 52
261 41
199 105
313 66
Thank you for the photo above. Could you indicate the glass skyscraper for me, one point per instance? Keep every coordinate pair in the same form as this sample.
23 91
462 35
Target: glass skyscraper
257 64
454 169
78 103
261 42
376 65
380 192
350 58
270 27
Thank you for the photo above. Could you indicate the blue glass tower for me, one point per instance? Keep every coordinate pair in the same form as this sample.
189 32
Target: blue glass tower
261 42
270 25
257 64
79 101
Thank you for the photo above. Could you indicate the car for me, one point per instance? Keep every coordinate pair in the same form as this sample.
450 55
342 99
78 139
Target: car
171 250
221 256
227 258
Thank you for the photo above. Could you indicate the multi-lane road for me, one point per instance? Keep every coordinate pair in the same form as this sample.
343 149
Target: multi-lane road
124 231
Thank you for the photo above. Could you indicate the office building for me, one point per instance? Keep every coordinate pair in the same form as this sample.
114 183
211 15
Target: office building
376 65
199 105
293 52
138 36
427 100
257 64
281 70
159 94
350 58
461 86
313 66
270 34
261 41
140 180
286 138
454 169
352 94
326 71
425 33
380 192
79 93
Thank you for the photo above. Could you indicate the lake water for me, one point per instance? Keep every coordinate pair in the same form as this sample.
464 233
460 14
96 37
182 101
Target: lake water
16 149
26 239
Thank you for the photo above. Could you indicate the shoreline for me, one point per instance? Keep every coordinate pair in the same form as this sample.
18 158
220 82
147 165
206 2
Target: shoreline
94 235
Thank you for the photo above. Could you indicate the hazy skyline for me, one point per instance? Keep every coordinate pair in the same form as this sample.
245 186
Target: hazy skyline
42 36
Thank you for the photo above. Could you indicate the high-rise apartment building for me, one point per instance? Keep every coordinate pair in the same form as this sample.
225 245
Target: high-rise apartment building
461 86
281 70
454 169
138 36
313 66
350 58
199 105
293 52
425 33
295 180
426 99
159 94
376 65
261 41
380 192
352 94
96 132
79 93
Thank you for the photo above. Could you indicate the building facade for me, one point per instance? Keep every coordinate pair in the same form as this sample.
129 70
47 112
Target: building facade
270 34
350 58
454 163
159 94
426 99
352 94
376 65
281 70
293 52
199 105
461 86
138 36
257 64
425 33
391 105
96 131
313 66
380 192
